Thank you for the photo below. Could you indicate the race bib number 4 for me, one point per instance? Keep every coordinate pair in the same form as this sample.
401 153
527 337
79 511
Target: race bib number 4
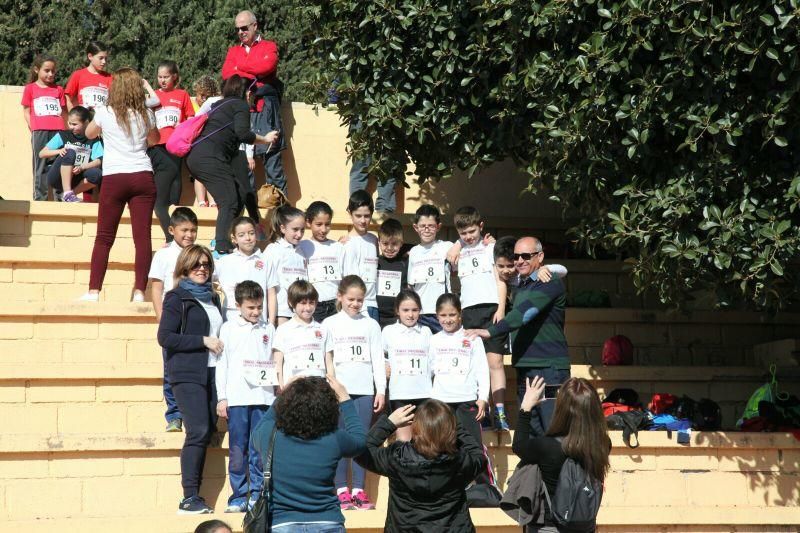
167 117
351 352
46 106
303 361
471 264
94 96
323 269
389 283
260 373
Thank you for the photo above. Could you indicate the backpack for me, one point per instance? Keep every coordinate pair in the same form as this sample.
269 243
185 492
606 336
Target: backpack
627 397
661 403
577 498
630 423
183 137
270 197
617 350
707 416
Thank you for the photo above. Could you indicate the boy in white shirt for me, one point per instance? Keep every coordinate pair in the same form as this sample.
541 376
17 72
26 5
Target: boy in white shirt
245 379
361 249
428 269
183 229
324 258
302 347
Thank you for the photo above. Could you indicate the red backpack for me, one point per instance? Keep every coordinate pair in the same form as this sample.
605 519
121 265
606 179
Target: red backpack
617 350
662 402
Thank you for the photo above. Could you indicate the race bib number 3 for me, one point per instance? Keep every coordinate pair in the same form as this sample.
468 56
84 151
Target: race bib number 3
260 373
324 269
167 117
389 283
46 106
94 96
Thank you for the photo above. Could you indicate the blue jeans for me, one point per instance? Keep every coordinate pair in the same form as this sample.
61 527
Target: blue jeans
262 122
313 527
244 459
432 322
542 414
373 313
363 406
172 405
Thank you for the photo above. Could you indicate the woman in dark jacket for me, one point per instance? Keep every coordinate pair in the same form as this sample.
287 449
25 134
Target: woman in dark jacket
190 322
428 475
216 160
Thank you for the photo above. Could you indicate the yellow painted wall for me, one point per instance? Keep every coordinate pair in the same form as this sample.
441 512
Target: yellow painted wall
316 166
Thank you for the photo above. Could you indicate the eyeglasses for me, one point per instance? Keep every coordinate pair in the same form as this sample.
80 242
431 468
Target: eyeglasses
426 227
245 27
525 256
202 266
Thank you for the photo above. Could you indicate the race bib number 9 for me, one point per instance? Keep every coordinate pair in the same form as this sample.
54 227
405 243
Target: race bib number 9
323 269
473 264
94 96
389 283
260 373
167 117
453 363
46 106
351 352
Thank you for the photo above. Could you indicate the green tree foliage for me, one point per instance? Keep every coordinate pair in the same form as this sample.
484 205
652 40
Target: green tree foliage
669 126
195 33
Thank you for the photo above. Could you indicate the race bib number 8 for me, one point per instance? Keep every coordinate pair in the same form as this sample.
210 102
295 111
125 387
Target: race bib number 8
260 373
167 117
428 273
46 106
389 283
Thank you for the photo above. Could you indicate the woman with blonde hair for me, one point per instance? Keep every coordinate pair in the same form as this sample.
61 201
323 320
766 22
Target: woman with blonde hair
429 474
127 126
190 322
577 431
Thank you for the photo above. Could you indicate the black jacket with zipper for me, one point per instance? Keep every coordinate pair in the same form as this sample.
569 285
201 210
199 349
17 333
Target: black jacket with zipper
425 495
183 325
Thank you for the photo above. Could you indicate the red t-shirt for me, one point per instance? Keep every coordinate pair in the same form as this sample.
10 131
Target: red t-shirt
176 106
90 90
47 104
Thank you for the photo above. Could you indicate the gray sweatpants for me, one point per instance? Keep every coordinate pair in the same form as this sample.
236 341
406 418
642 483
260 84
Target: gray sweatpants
39 138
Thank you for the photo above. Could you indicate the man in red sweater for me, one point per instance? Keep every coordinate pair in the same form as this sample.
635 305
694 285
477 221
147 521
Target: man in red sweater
256 58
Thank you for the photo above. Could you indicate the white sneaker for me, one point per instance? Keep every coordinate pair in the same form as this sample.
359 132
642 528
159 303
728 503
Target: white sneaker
138 297
90 297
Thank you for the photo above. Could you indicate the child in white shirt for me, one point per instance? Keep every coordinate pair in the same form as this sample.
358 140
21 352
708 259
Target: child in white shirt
428 269
324 258
245 379
361 249
302 347
284 262
406 344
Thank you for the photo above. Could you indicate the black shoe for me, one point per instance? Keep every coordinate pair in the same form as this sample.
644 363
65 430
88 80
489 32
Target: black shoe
194 505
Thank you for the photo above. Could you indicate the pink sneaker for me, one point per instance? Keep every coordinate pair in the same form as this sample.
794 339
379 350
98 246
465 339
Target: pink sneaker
346 501
361 501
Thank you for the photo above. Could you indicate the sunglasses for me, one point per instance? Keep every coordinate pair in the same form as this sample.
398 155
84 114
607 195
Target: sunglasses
525 256
244 28
202 266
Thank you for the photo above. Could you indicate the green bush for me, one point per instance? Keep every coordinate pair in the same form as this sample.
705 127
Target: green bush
669 127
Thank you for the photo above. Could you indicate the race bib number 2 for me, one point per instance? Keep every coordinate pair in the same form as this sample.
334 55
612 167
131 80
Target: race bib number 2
260 373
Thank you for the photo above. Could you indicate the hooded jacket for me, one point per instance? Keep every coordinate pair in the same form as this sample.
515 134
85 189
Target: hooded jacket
424 494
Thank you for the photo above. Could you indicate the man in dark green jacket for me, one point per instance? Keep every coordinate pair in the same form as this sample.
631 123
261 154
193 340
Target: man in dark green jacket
540 347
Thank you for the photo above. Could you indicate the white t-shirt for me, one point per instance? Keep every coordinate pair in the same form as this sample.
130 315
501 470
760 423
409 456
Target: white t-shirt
215 318
304 347
285 265
234 268
476 272
246 373
325 265
408 350
460 368
429 273
361 259
162 267
357 353
123 153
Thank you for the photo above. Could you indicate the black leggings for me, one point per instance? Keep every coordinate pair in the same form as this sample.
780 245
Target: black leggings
465 413
198 405
167 175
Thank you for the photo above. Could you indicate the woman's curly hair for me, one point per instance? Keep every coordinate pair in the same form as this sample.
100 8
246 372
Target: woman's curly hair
307 409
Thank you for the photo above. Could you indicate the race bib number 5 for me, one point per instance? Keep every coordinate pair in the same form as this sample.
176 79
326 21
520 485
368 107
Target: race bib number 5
260 373
389 283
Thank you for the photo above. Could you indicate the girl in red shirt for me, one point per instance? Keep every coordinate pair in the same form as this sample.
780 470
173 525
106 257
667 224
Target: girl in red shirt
89 86
44 109
176 106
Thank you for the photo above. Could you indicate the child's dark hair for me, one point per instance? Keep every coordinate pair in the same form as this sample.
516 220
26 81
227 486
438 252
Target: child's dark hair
317 208
240 221
448 298
182 215
212 526
83 114
301 290
235 86
428 210
95 47
172 67
391 229
467 216
248 290
406 294
38 61
281 216
360 198
504 247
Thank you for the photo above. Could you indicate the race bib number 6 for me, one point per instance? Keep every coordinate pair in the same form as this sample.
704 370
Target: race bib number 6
475 264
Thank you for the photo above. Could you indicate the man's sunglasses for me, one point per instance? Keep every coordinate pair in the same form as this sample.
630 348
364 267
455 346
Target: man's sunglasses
244 28
525 256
